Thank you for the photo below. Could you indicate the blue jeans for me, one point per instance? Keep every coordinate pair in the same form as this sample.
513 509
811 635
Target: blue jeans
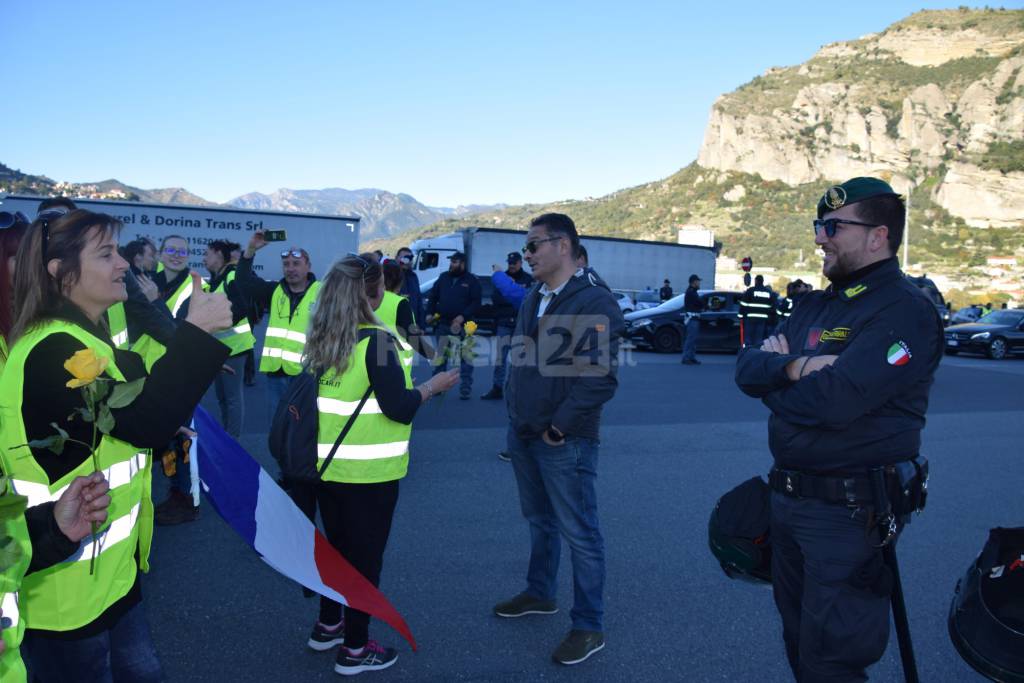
558 497
690 342
123 653
276 386
502 344
226 394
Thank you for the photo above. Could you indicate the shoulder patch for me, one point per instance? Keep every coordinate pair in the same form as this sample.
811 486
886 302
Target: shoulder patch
851 292
898 354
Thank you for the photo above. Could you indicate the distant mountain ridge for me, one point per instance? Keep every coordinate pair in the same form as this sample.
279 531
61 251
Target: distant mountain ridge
382 213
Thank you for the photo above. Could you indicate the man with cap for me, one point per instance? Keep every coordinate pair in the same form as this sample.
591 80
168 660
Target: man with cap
847 380
454 299
665 293
757 311
506 308
692 306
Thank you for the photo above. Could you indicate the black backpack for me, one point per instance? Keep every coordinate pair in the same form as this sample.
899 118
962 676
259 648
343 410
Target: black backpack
293 433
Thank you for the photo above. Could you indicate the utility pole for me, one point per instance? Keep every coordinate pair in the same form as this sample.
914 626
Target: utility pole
906 233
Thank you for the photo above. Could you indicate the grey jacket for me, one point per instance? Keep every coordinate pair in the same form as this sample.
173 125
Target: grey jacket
563 365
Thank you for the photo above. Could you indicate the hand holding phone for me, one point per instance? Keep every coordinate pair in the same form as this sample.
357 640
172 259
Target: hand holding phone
275 235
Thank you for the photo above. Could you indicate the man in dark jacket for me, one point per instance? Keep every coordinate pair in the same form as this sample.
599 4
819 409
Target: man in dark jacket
505 313
411 285
847 381
757 312
454 299
563 370
692 307
665 293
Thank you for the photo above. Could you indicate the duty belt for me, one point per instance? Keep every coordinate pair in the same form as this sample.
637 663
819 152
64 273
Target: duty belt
852 491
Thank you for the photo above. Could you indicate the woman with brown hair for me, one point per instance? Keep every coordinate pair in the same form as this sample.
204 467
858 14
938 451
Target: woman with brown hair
84 621
357 360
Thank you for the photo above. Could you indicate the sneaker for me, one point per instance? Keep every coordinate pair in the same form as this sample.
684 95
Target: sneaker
524 604
374 657
578 646
494 394
502 455
323 638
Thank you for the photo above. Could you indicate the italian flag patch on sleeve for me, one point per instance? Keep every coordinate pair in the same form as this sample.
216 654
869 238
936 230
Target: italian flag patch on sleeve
898 353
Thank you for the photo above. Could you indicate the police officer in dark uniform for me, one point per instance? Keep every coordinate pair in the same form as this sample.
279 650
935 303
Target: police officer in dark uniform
847 381
757 310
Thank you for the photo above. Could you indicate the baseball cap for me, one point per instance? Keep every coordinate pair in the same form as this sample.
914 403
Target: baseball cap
695 277
514 257
457 256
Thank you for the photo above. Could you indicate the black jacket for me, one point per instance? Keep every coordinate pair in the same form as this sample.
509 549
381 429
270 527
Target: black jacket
869 407
504 311
454 296
563 365
259 292
692 303
144 316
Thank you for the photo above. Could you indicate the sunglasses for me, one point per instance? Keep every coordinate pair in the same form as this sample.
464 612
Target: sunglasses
532 245
830 225
292 252
8 219
171 251
405 259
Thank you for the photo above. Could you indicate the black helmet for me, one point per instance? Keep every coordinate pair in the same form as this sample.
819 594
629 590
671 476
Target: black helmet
986 619
738 532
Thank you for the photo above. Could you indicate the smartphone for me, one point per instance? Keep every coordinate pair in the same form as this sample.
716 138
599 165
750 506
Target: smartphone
275 235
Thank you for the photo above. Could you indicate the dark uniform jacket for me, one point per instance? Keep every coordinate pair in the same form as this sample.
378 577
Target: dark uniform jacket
453 296
692 303
563 364
869 407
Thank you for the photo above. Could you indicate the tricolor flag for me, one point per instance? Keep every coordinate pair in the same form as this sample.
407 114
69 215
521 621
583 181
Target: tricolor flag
898 354
252 503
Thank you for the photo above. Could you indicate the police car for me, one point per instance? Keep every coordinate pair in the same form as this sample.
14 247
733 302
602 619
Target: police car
997 335
662 327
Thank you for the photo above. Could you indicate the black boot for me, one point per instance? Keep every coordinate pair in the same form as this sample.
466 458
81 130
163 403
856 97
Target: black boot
494 394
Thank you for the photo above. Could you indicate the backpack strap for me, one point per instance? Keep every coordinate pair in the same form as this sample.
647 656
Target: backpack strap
363 334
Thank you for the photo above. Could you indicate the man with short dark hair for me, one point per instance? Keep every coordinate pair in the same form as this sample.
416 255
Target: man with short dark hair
847 381
693 305
454 299
563 370
757 312
665 293
505 313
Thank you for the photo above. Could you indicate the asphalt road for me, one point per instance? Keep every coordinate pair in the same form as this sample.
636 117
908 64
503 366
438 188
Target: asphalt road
674 438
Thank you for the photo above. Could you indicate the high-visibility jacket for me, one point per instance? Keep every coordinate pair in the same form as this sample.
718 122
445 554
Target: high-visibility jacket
387 313
286 331
65 596
785 308
376 449
756 304
118 322
13 527
150 349
238 338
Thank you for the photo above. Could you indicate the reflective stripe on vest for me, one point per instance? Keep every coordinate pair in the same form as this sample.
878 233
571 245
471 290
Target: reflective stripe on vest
65 596
286 331
118 323
239 338
376 448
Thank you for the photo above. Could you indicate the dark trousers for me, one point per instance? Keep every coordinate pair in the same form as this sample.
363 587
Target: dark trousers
357 522
831 588
754 331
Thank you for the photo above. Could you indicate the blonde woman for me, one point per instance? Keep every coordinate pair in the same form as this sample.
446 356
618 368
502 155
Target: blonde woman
354 353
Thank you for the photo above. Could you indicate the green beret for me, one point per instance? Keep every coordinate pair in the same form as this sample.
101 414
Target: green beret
853 191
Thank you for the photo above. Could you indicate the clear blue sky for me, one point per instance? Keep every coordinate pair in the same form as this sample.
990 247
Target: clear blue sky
451 102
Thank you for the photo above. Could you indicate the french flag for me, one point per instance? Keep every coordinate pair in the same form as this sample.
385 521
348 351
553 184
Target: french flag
252 503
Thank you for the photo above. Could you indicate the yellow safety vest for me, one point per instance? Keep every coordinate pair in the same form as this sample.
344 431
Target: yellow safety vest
376 449
286 332
65 596
238 338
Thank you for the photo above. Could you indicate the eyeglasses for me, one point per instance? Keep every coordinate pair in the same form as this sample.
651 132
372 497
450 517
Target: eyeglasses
44 219
297 253
531 246
405 259
830 225
171 251
8 219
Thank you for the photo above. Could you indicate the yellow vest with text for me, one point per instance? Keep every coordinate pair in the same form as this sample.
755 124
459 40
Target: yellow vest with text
238 338
65 596
376 448
286 332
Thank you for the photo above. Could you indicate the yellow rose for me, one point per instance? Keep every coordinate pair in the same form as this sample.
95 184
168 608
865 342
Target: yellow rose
85 366
470 328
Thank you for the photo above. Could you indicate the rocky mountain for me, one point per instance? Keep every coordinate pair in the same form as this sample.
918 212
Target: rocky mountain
13 181
383 213
934 103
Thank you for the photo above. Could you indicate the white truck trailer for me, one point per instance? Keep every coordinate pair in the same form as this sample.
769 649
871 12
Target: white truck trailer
326 238
626 265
